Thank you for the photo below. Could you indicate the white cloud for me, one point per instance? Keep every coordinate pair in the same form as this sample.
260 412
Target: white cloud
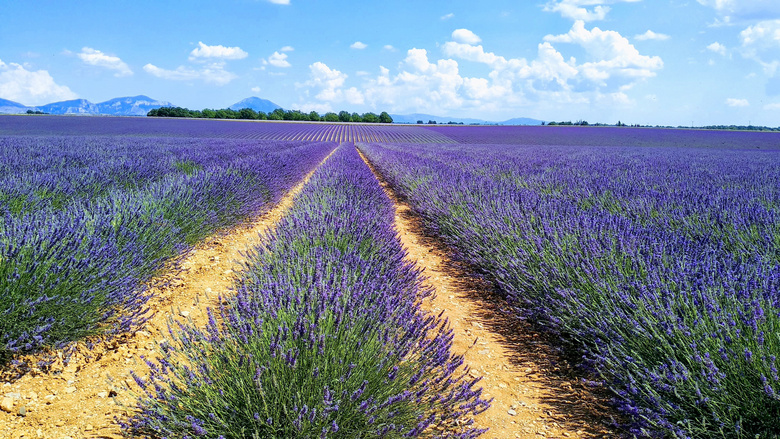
764 34
213 73
447 16
612 54
421 85
650 35
578 9
735 11
278 59
358 45
30 87
732 102
329 85
611 66
279 2
219 52
717 48
465 36
772 107
389 47
761 43
287 49
256 89
97 58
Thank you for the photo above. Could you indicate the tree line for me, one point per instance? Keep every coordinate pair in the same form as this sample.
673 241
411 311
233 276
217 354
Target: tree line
278 114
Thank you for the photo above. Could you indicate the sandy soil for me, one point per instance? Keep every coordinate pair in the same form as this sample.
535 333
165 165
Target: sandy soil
84 398
537 394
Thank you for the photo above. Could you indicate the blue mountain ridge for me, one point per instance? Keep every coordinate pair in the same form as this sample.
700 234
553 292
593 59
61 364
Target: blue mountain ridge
256 104
11 107
413 118
125 106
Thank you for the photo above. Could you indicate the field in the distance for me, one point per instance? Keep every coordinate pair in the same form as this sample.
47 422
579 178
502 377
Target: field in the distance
652 255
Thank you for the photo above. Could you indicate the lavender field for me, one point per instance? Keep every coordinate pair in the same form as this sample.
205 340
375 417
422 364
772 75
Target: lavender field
86 219
659 265
651 256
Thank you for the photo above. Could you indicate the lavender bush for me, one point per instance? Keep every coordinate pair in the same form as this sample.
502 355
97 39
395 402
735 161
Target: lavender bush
85 220
324 338
660 265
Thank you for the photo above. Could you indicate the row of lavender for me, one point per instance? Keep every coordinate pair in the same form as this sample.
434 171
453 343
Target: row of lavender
233 129
85 220
660 266
324 338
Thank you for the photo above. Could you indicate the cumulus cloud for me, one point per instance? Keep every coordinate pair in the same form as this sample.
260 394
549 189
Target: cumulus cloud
213 73
97 58
279 2
256 89
465 36
218 52
287 49
717 48
761 42
278 59
732 102
612 54
578 9
358 45
328 84
422 82
30 87
650 35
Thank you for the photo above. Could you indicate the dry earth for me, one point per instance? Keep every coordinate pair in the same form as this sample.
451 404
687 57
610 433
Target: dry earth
536 394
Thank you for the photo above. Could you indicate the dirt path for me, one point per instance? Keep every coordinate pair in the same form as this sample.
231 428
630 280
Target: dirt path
83 398
536 395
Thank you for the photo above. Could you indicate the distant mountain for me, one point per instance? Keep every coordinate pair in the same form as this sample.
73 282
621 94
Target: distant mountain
11 107
130 106
75 106
413 118
256 104
521 121
127 106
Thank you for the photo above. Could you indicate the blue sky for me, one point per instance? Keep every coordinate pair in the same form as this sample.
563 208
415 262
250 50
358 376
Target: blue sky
668 62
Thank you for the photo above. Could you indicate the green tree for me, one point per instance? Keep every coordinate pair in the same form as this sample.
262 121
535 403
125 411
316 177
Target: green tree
370 118
356 118
314 116
344 116
385 118
331 117
247 113
277 114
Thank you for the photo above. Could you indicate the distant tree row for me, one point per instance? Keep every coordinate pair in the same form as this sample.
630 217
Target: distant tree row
278 114
706 127
739 128
35 112
433 122
568 122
